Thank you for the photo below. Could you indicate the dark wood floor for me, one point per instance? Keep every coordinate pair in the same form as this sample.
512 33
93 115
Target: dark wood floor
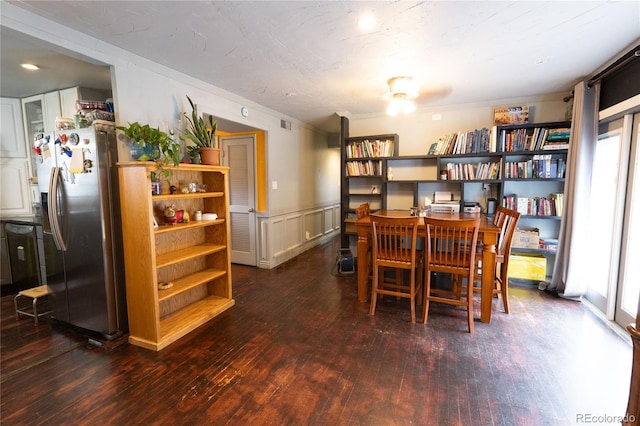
299 349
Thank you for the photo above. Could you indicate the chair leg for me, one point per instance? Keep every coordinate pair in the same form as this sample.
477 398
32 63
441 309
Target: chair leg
504 287
15 304
425 296
470 302
420 283
412 291
374 293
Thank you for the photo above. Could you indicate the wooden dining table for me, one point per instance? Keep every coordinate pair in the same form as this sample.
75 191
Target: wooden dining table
488 235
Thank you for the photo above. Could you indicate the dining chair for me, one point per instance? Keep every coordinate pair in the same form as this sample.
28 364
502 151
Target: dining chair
450 248
507 221
362 210
394 246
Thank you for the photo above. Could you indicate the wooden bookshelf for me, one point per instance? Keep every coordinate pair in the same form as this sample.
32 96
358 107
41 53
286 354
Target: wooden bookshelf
194 257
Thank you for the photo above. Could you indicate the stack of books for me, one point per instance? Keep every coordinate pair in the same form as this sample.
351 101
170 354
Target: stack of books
557 139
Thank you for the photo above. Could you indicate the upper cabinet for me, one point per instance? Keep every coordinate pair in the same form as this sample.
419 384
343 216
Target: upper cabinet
15 198
39 113
11 134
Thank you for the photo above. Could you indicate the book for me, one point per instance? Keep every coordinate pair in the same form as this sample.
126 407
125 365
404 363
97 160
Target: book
511 115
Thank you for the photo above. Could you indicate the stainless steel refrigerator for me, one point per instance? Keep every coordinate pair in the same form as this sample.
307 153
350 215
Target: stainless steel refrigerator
78 184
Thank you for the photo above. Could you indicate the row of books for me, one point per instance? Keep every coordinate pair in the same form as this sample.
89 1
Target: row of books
485 140
541 138
364 168
552 205
471 142
549 244
538 167
469 171
367 148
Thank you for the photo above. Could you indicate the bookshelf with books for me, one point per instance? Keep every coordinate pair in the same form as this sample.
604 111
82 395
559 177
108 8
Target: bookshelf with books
363 175
535 161
522 166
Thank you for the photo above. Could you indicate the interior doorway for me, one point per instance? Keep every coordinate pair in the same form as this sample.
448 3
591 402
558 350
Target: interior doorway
238 154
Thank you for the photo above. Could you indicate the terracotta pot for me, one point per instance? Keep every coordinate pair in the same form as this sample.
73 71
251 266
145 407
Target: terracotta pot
210 156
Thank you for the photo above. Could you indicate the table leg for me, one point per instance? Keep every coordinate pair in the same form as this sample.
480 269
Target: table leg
363 266
488 276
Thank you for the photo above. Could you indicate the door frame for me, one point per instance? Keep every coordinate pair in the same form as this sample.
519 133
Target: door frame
251 257
620 316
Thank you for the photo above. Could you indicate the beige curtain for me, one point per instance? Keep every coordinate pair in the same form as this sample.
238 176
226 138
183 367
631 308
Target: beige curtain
567 279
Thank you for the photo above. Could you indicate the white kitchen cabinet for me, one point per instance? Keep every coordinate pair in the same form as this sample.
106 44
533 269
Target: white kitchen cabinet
40 113
68 98
51 109
15 163
12 142
15 198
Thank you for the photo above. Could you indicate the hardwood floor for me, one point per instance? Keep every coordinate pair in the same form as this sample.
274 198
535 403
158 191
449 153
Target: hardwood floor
298 348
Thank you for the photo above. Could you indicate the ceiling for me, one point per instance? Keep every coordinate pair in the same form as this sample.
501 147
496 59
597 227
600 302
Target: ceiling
309 60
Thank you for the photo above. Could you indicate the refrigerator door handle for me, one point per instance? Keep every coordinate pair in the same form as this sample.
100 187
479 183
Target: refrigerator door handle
52 207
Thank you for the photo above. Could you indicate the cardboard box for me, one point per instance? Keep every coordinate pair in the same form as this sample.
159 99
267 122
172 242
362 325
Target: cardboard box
527 266
525 237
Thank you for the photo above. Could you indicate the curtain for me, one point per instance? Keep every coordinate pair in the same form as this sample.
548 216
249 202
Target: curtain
567 279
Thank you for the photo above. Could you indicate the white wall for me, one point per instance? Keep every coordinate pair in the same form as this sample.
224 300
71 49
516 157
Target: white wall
299 159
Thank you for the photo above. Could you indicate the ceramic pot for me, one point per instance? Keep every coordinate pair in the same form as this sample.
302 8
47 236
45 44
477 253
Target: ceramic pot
210 156
144 153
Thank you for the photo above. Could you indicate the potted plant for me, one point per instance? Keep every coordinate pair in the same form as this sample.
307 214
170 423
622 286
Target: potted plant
194 154
152 144
203 134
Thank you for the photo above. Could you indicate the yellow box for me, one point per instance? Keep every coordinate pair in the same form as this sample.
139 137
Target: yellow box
527 267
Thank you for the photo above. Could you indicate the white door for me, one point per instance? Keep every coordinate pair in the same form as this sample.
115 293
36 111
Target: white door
238 154
629 281
614 221
606 209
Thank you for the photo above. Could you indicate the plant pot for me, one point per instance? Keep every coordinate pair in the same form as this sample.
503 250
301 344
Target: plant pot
210 156
144 153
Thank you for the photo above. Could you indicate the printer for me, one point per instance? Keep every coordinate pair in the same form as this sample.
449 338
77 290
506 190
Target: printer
443 203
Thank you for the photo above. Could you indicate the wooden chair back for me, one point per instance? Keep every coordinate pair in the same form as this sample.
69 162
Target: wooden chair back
362 211
394 246
394 241
507 221
451 247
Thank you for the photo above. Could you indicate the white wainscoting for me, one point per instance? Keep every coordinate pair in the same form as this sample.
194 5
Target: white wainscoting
286 236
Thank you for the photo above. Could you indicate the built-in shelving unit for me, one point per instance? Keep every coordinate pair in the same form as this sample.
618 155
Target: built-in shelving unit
489 169
194 256
536 187
364 170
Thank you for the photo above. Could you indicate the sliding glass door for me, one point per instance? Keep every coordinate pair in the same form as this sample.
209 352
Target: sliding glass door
629 276
606 208
614 223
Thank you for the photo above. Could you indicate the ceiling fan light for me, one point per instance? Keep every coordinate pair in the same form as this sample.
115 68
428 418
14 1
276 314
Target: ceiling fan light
402 85
31 67
394 107
408 106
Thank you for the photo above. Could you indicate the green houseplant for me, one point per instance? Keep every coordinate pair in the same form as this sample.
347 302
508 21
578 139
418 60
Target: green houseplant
152 144
203 134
